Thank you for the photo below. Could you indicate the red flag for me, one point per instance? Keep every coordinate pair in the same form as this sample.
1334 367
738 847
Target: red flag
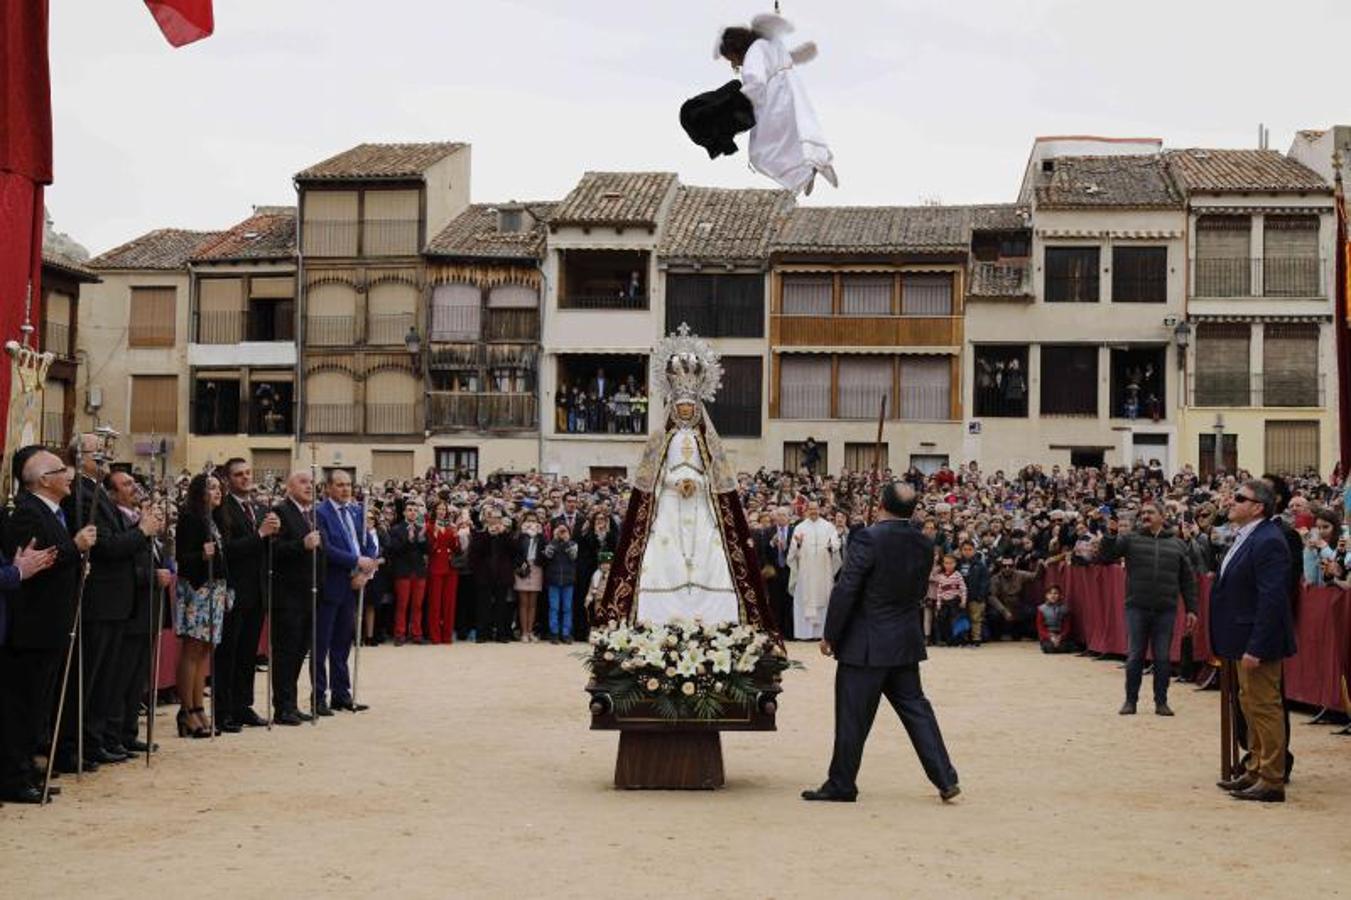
183 21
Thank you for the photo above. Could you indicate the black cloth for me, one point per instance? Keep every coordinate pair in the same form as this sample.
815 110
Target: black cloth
112 575
405 556
492 556
1158 568
780 601
875 622
192 535
132 677
292 632
237 653
292 616
713 118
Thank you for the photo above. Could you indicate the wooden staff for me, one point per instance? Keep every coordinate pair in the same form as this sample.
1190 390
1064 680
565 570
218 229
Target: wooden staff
156 610
211 596
877 459
1229 749
314 595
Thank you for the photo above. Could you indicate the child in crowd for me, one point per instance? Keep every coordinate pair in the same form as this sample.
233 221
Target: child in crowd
951 599
596 590
1053 624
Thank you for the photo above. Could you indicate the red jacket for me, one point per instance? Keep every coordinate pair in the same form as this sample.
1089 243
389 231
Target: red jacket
1044 633
442 544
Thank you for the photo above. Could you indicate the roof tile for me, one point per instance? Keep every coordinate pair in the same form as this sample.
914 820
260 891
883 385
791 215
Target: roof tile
615 198
716 224
875 229
163 248
1207 170
474 233
1094 182
270 233
371 161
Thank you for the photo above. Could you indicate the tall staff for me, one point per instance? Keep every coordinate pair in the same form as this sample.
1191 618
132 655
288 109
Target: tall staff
1229 749
267 600
156 611
211 598
361 588
877 459
314 595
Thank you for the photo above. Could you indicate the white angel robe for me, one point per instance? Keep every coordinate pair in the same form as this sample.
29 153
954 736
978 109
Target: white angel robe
786 143
685 573
811 554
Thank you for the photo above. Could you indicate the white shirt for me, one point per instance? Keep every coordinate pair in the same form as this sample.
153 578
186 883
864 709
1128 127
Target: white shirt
54 507
1239 538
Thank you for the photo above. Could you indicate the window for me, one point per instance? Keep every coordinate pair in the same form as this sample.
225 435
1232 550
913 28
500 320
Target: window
1228 451
1290 374
391 402
1069 380
153 316
154 404
56 322
456 312
330 402
331 310
859 457
1086 457
1292 448
1290 263
1139 274
1223 256
270 466
1072 274
390 223
807 295
1001 382
926 295
220 310
926 388
736 412
716 305
603 279
215 405
794 454
1222 371
865 295
588 399
1138 383
396 464
271 406
513 314
391 309
928 463
804 387
459 463
330 224
863 382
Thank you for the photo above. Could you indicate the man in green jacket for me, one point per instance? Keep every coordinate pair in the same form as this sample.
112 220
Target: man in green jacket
1158 568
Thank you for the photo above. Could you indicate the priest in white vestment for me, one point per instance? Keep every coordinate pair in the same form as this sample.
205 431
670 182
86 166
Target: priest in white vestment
811 556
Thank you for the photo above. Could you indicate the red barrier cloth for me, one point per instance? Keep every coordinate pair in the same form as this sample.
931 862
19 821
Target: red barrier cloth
183 21
26 101
1314 674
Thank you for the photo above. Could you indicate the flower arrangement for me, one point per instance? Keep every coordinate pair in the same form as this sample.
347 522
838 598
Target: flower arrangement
684 669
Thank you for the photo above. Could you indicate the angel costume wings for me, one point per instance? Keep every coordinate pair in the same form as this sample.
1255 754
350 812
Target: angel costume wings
685 550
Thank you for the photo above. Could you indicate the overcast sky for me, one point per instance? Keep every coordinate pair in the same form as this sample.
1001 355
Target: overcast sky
920 99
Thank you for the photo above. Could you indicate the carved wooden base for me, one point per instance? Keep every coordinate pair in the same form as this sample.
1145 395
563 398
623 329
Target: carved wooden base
669 760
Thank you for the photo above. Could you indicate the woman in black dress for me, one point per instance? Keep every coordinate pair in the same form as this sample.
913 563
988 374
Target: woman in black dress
202 600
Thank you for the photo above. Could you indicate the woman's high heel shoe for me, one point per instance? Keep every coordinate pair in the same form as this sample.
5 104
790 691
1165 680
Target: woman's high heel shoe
183 723
200 731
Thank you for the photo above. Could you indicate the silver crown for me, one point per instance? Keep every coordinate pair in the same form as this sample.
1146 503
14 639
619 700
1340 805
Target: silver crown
685 367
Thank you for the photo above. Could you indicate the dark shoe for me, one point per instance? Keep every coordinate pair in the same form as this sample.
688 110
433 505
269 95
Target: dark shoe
302 716
348 705
23 795
99 755
1241 783
825 793
138 746
399 642
1162 709
322 710
948 794
567 639
554 639
250 719
1260 794
480 640
230 726
117 749
1127 709
287 718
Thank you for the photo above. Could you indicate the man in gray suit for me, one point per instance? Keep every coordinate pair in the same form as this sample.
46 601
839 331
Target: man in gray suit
874 629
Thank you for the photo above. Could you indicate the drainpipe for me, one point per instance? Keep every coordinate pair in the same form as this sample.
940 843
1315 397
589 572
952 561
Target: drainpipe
539 367
298 399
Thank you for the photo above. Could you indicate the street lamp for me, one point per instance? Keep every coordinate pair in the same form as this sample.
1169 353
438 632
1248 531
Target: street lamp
1219 443
412 341
1182 337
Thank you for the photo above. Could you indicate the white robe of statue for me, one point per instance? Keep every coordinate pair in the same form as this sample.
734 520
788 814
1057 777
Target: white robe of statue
685 573
787 143
811 554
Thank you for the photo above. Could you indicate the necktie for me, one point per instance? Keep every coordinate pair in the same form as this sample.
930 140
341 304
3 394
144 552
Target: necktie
349 518
783 542
248 511
61 517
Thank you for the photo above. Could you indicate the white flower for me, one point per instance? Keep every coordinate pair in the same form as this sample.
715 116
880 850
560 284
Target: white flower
687 688
688 667
722 661
653 684
746 662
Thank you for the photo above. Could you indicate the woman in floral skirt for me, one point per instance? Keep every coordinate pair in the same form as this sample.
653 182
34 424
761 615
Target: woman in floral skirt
202 600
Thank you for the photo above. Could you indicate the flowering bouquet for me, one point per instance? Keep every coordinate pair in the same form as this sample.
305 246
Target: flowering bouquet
684 669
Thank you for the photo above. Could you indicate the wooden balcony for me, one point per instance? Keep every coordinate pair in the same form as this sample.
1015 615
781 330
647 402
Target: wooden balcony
865 331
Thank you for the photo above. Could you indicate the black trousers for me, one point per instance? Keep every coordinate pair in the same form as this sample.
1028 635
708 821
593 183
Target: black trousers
28 682
781 602
236 659
102 643
130 683
1148 629
291 637
495 609
858 690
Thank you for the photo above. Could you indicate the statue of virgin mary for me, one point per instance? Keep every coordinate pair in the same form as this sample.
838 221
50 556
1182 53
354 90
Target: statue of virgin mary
685 550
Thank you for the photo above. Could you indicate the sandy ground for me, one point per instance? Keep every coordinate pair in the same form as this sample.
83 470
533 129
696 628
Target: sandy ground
475 775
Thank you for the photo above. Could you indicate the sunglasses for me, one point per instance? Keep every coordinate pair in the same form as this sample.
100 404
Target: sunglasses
1243 498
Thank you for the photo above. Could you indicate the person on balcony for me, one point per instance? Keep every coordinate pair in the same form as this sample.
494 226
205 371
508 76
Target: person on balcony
621 412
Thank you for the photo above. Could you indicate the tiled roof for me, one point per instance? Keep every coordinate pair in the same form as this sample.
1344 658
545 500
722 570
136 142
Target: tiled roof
1092 182
270 233
68 264
874 229
615 198
1000 217
366 161
163 248
473 233
1243 170
722 224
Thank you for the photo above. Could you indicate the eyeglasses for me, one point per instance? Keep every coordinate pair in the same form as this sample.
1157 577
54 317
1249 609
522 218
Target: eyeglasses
64 470
1240 498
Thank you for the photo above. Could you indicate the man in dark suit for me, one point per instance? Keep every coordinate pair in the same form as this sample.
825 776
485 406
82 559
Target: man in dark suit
41 616
772 546
293 566
108 605
1252 626
244 532
350 556
569 516
874 629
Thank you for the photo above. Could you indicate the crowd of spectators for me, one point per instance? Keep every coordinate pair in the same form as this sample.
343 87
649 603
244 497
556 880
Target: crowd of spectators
601 406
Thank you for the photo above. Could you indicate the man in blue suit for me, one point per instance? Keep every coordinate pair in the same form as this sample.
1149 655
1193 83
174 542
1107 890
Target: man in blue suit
351 559
1251 624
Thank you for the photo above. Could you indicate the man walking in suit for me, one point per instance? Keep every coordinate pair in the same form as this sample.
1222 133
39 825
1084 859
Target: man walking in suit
351 560
874 629
41 615
245 533
1251 625
296 543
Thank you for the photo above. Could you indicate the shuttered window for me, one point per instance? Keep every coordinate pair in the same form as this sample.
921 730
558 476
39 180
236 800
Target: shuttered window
1072 274
859 457
865 295
807 295
1069 380
1290 375
331 315
926 295
1223 256
1290 264
736 412
154 404
330 226
272 288
220 310
391 402
717 305
1139 274
391 307
793 453
1222 364
1292 447
330 403
154 312
456 312
390 223
864 381
396 464
804 387
926 388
